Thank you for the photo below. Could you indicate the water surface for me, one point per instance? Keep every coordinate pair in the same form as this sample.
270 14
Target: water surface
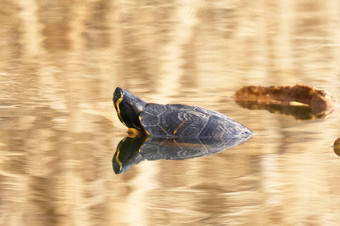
60 62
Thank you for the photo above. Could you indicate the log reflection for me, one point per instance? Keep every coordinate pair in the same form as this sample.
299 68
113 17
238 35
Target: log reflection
299 112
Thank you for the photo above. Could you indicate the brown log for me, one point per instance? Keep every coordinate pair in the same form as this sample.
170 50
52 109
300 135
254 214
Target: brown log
319 102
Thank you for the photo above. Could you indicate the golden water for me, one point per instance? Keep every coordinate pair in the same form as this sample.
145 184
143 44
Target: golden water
60 62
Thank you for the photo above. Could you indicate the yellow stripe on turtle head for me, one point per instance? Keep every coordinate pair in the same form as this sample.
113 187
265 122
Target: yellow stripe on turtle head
118 108
118 102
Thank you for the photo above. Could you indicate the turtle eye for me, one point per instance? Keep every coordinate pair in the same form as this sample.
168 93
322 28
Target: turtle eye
118 95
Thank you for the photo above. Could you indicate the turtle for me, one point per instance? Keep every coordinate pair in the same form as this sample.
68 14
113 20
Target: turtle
175 120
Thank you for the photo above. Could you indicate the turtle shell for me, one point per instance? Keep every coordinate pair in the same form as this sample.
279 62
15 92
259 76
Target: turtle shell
177 120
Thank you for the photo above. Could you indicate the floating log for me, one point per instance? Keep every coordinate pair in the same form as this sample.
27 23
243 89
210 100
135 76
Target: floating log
303 102
336 146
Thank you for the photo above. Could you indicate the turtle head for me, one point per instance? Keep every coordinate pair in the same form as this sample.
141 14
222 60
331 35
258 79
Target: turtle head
128 108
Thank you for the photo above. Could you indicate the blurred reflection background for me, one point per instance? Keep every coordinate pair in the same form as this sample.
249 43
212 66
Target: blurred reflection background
60 62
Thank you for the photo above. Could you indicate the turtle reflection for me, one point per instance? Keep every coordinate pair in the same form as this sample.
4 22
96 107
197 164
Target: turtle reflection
132 150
